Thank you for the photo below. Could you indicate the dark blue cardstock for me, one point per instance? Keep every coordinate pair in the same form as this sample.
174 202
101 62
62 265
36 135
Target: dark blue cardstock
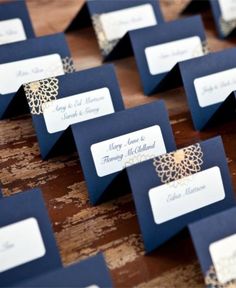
85 17
89 272
14 104
68 85
143 177
224 28
20 207
202 66
17 9
110 126
214 228
160 34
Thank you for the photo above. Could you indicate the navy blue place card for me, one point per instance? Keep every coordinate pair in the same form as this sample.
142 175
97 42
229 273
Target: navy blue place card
27 245
214 239
159 49
15 23
89 273
70 99
224 13
175 189
112 20
209 83
27 61
119 140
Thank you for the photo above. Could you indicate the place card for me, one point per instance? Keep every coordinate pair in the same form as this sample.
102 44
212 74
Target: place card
117 141
175 189
224 14
28 61
27 244
89 273
112 20
159 49
15 23
209 83
216 251
70 99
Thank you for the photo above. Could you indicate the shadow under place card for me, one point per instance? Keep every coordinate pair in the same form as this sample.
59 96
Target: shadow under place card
27 61
216 251
89 273
108 144
112 20
174 189
209 83
224 14
58 102
15 23
159 49
27 244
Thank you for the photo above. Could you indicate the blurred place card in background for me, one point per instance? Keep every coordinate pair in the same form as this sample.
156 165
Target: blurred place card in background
158 51
216 251
15 24
112 20
209 83
26 61
27 244
89 273
224 13
174 189
117 141
70 99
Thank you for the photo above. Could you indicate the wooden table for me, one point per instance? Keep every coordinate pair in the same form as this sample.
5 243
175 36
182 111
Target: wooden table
82 230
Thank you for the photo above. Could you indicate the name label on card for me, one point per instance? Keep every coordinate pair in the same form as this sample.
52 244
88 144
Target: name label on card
16 73
228 9
62 113
162 58
116 24
188 194
115 154
20 243
215 88
223 255
11 30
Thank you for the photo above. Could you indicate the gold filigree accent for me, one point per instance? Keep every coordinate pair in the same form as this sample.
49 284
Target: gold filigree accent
205 47
68 65
212 282
138 159
179 164
227 26
105 45
40 92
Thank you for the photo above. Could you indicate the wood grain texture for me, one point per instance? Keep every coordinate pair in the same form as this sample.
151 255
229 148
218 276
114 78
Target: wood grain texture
82 230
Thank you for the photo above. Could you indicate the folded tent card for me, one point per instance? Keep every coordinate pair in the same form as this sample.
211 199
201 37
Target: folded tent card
159 49
15 23
112 20
209 83
73 98
224 13
216 251
27 244
118 140
90 273
174 189
27 61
